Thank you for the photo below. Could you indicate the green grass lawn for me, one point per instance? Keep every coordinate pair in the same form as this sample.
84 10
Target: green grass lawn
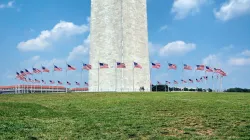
125 116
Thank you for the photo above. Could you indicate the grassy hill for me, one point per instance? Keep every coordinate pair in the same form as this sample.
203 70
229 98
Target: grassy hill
125 116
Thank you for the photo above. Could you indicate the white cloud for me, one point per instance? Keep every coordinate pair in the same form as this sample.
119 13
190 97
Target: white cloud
246 53
177 48
212 60
218 61
77 52
182 8
35 58
239 61
80 50
46 37
232 9
163 28
8 5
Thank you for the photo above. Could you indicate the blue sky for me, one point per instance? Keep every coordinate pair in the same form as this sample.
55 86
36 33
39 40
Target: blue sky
210 32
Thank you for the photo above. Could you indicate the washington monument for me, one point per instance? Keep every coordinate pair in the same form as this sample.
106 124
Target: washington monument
118 33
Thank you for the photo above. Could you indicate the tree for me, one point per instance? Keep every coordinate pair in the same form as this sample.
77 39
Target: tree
185 89
210 90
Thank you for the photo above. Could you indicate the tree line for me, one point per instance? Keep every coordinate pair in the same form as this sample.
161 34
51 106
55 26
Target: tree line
237 90
165 88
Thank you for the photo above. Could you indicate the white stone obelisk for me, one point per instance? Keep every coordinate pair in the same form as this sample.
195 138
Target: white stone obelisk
118 33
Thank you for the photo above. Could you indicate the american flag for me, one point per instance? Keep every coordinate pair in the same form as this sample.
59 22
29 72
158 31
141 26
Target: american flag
71 67
22 73
120 65
44 69
37 81
51 82
77 83
183 81
191 81
19 76
35 70
200 67
136 65
59 82
57 68
208 69
68 83
219 71
175 82
223 73
159 83
198 80
24 79
187 67
167 82
156 65
43 82
30 80
86 84
27 72
172 66
87 66
103 65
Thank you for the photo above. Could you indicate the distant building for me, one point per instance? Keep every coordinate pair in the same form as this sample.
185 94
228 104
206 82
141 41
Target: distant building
17 89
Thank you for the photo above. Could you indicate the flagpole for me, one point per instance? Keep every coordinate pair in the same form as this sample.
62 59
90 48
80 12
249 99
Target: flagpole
165 86
41 82
168 87
66 77
151 85
21 86
133 77
167 74
220 83
21 89
206 80
18 83
182 76
98 76
115 76
81 74
174 86
196 79
66 80
52 81
32 83
156 86
213 81
18 87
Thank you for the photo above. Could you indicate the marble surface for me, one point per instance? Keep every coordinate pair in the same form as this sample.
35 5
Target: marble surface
118 33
